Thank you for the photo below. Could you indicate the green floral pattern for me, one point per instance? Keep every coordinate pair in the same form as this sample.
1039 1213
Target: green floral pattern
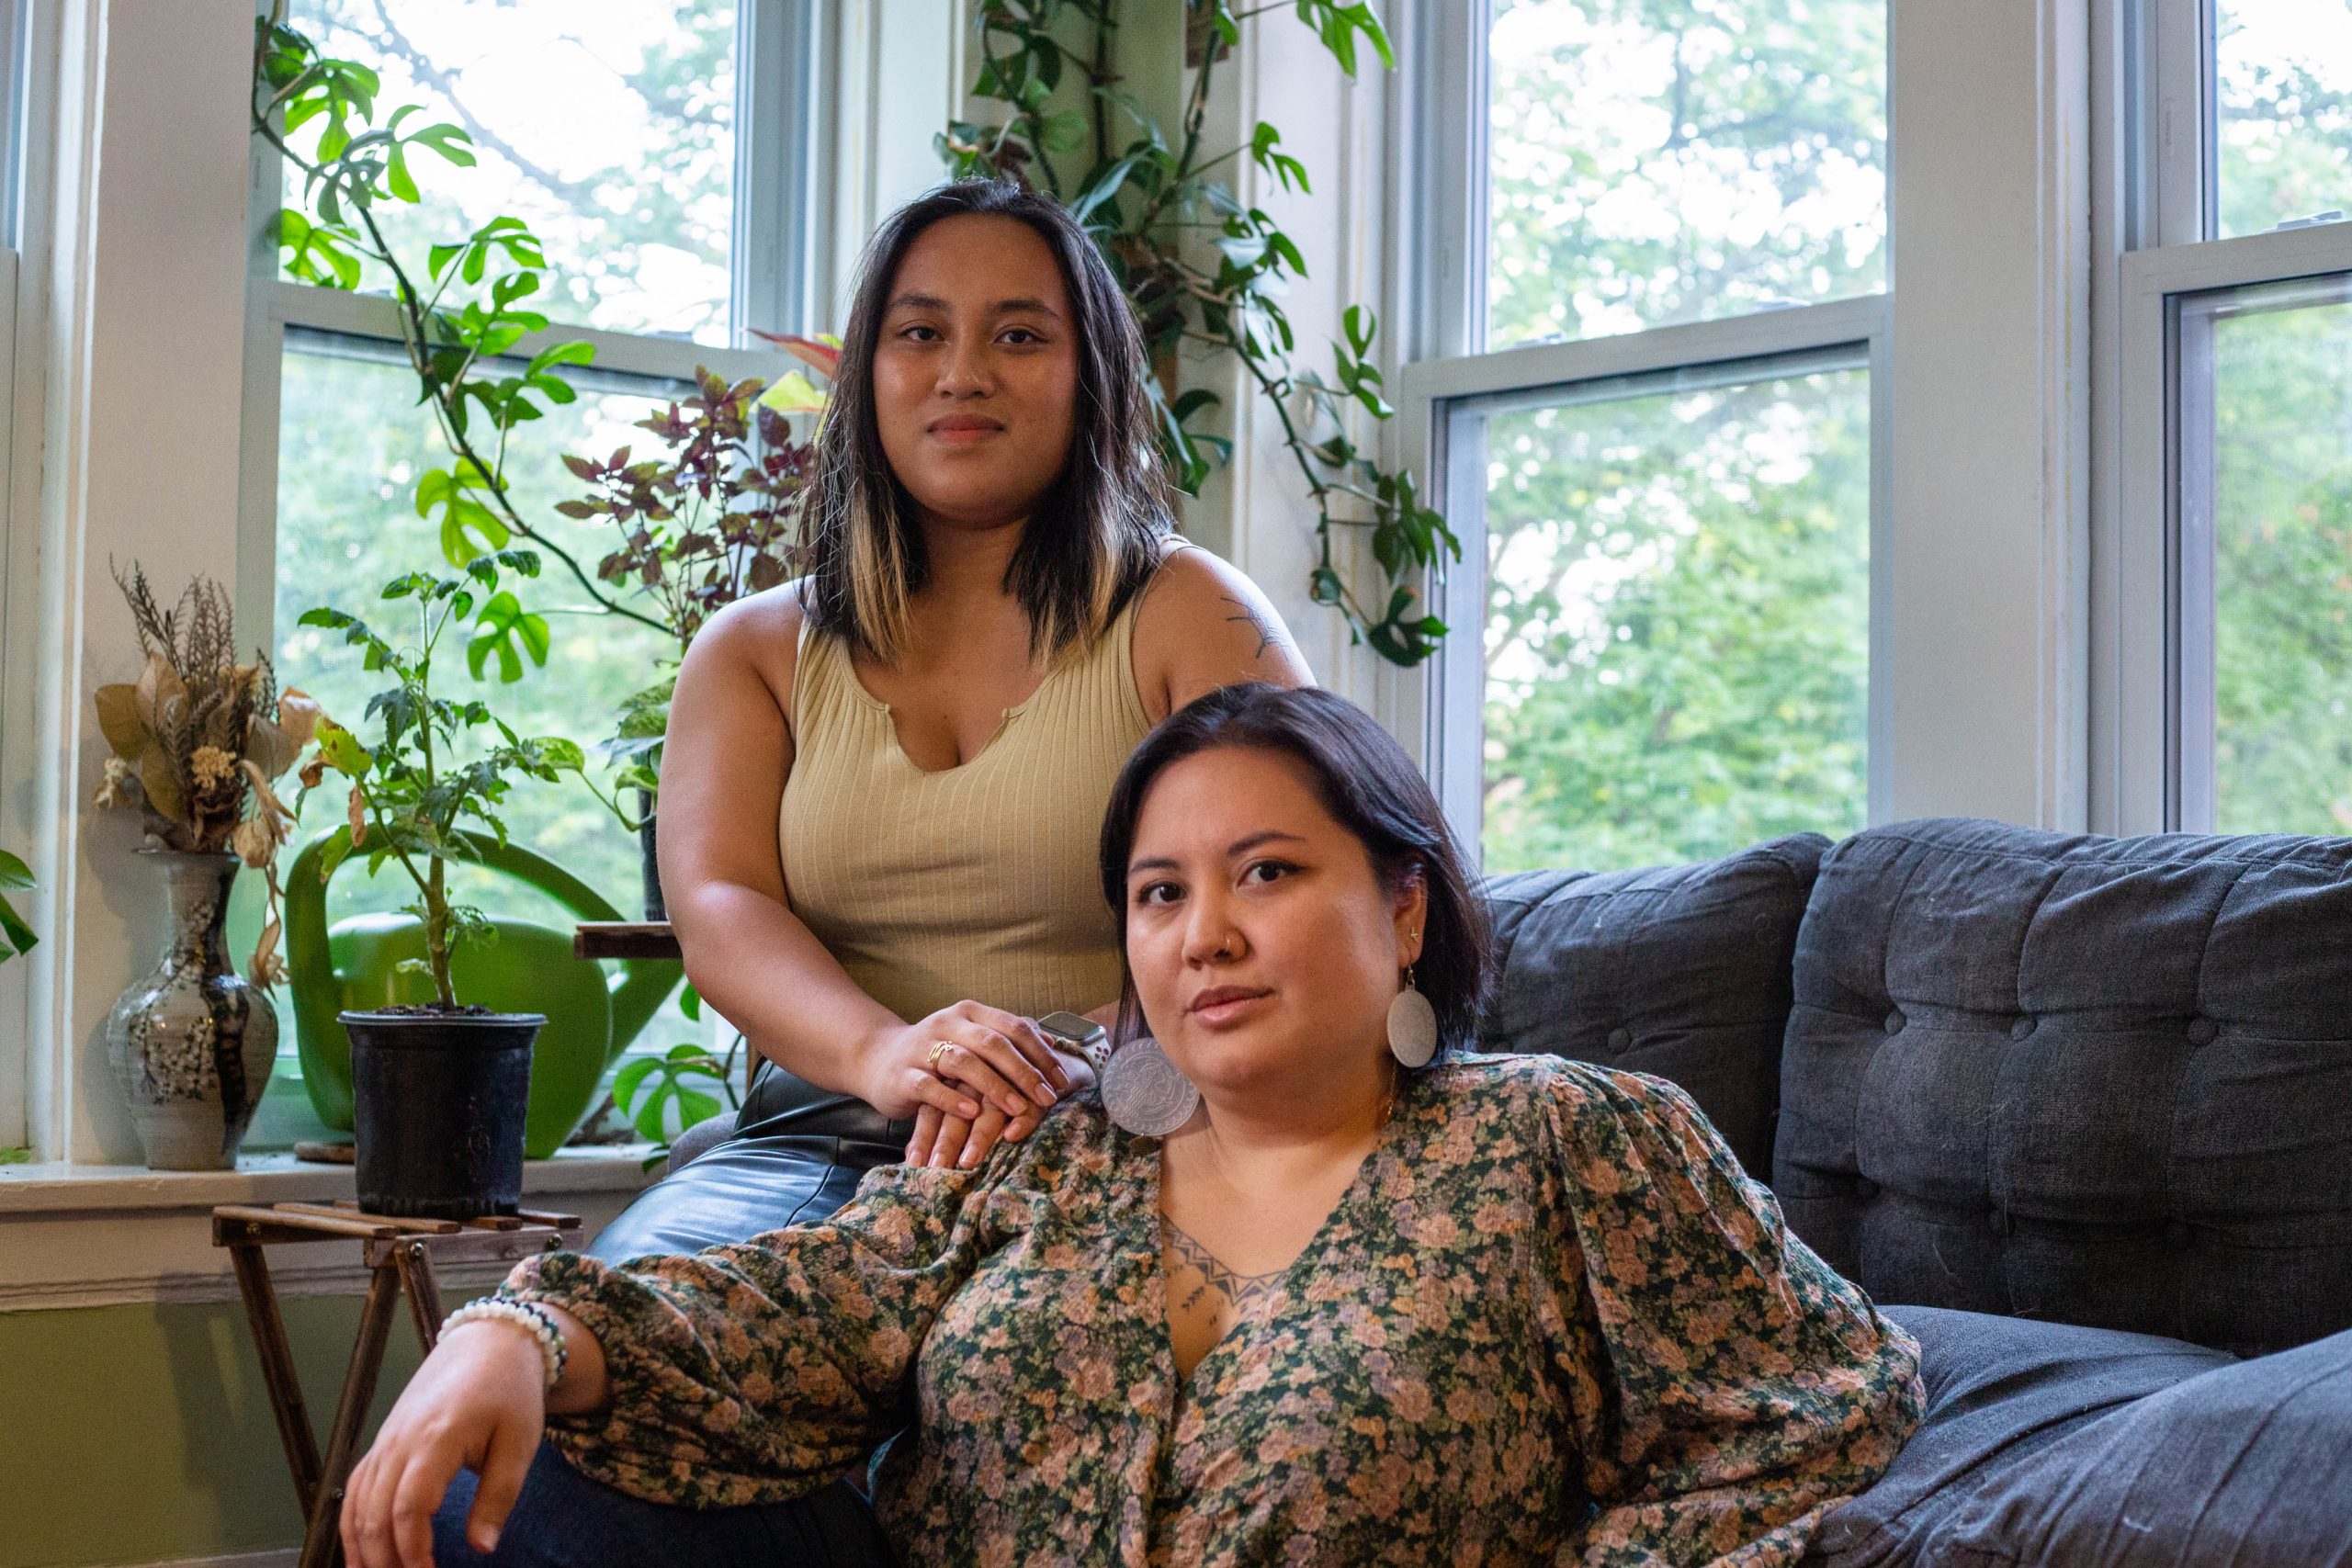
1552 1322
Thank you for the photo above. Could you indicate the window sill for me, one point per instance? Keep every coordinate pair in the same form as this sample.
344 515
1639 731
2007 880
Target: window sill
99 1236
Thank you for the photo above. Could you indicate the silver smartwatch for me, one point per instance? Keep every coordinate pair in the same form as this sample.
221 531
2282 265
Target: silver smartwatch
1082 1035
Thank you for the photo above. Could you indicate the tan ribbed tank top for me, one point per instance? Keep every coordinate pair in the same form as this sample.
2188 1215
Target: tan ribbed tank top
974 882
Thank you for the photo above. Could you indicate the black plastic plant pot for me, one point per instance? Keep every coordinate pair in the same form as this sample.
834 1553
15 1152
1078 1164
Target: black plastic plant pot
438 1106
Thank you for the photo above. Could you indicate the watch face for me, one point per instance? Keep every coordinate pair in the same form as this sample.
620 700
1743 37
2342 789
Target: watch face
1072 1027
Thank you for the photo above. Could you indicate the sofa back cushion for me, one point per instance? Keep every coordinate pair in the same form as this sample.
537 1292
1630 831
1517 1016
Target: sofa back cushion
2107 1081
1678 971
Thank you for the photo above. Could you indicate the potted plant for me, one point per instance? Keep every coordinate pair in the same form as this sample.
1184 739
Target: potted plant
198 739
714 518
441 1087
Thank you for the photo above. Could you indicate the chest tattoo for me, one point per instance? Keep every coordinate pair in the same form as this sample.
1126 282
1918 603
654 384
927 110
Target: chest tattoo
1237 1289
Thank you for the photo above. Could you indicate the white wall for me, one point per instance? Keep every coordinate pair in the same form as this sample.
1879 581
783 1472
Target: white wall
1990 553
900 69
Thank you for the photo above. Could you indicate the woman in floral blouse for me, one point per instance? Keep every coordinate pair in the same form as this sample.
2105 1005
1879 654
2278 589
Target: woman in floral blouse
1496 1309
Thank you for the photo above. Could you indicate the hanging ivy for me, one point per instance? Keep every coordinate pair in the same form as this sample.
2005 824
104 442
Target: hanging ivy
1068 129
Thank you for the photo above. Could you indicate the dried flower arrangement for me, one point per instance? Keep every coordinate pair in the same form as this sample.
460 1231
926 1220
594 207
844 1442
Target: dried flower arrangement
200 738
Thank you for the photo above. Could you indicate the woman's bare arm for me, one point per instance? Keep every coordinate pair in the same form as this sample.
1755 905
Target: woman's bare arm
1204 625
723 767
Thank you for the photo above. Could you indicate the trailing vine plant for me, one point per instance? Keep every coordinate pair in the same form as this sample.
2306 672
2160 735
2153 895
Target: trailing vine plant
459 315
1147 203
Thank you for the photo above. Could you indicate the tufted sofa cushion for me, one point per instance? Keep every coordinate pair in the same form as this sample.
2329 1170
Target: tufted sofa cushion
2107 1081
1678 971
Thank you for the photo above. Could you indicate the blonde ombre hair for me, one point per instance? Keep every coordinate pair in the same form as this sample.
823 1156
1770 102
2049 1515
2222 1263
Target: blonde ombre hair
1096 537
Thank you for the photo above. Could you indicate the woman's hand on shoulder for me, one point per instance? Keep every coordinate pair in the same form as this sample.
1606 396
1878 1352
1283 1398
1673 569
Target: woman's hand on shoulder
970 1074
1204 625
961 1142
478 1402
944 1142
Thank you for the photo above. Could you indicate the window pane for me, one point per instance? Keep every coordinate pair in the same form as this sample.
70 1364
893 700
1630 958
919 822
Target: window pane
1659 163
2283 103
1678 621
608 126
2274 466
352 443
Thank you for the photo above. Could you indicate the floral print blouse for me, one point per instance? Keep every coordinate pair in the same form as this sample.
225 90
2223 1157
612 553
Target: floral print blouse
1551 1322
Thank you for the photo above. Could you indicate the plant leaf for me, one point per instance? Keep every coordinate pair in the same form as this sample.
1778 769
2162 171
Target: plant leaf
506 629
792 393
342 750
119 721
12 926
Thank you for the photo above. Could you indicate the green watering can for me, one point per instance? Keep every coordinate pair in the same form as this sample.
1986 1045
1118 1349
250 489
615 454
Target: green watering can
592 1017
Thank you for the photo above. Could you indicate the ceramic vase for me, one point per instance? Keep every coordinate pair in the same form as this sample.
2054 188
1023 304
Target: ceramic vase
193 1044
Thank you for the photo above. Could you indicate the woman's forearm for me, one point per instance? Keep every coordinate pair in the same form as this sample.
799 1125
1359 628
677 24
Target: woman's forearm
766 973
586 1385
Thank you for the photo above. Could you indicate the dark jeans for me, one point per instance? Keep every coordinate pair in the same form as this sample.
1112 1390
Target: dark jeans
565 1520
797 1155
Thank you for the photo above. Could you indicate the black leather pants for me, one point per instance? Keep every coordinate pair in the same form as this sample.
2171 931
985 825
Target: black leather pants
797 1155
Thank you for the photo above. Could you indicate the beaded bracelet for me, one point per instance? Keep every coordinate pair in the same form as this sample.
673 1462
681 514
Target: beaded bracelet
553 1353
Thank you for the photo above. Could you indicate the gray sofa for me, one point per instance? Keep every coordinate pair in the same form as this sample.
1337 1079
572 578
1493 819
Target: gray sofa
2076 1110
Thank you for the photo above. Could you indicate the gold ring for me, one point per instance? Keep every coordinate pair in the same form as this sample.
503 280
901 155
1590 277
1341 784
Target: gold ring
938 1049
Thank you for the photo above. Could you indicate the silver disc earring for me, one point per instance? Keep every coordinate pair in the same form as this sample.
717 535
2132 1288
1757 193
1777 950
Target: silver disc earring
1145 1092
1412 1026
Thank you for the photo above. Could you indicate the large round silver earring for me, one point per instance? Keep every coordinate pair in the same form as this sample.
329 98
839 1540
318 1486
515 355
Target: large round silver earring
1412 1026
1145 1093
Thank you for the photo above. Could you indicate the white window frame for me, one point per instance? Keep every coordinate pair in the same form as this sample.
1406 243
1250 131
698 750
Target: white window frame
152 265
1445 394
2153 770
23 192
1983 435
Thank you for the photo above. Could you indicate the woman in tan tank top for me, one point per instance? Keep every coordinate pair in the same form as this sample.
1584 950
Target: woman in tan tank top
884 784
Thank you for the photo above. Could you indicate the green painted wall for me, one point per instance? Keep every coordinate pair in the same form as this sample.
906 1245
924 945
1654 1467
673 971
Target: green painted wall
142 1434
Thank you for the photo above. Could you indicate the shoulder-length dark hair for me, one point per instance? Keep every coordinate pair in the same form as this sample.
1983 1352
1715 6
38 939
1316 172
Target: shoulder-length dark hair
1097 537
1367 784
